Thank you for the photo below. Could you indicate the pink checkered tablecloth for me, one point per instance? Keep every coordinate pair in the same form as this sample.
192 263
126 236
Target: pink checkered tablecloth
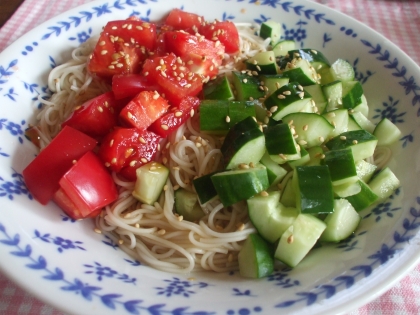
398 20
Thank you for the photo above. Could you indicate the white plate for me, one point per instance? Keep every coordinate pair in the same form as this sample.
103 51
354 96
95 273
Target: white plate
67 265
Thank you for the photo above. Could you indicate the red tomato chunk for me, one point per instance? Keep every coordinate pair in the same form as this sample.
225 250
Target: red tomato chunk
181 20
129 85
86 188
44 172
223 31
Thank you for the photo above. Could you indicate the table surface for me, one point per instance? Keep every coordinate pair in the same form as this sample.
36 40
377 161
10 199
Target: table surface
401 298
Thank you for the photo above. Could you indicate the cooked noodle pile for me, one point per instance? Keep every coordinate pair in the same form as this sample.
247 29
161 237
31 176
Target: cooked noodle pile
154 234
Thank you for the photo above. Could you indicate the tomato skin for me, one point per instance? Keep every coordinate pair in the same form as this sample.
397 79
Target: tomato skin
42 175
122 47
223 31
173 77
128 147
181 20
86 188
97 116
176 117
129 85
144 109
202 56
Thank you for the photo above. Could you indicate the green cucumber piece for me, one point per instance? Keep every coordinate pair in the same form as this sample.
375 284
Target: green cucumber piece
219 89
269 216
247 87
151 178
304 158
352 94
187 205
384 184
352 124
361 142
244 143
240 184
362 107
263 62
333 92
315 90
275 172
386 132
255 258
365 170
314 192
300 70
341 223
312 129
273 82
341 165
271 29
363 121
204 188
316 154
282 47
342 70
280 143
364 198
287 99
347 189
339 119
299 239
288 194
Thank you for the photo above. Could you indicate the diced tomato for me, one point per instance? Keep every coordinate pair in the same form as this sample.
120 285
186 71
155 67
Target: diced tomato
97 116
223 31
144 109
86 188
122 47
173 77
176 117
181 20
44 172
128 148
202 56
129 85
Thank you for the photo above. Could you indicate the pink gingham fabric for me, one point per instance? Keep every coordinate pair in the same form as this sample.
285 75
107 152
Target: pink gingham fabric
399 21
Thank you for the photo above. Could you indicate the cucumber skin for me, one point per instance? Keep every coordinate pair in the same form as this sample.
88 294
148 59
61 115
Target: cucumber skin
255 258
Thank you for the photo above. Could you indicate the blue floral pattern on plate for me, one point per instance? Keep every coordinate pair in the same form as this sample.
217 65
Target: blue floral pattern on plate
103 276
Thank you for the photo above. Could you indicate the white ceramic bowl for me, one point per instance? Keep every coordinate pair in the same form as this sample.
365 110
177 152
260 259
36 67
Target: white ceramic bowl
67 265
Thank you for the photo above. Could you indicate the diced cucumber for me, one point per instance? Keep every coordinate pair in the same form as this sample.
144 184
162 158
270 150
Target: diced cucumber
346 190
275 172
255 258
287 99
342 70
333 92
315 90
288 194
339 119
299 239
300 70
269 216
341 165
218 116
187 205
280 143
282 47
271 29
151 178
363 121
352 94
361 142
240 184
312 129
316 154
341 223
314 193
304 158
218 89
247 87
244 143
263 62
386 132
362 107
365 170
204 188
364 198
352 124
384 184
273 82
